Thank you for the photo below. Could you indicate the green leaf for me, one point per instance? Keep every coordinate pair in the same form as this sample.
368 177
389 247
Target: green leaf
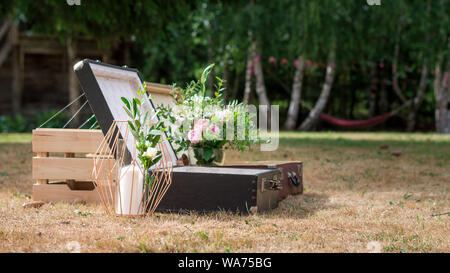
138 124
208 153
134 108
126 102
156 159
206 72
131 126
155 140
128 112
145 118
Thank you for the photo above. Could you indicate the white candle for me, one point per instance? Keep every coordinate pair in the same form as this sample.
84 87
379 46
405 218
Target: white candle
129 195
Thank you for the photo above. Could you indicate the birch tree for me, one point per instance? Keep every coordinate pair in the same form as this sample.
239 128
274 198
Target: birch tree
310 122
294 104
442 94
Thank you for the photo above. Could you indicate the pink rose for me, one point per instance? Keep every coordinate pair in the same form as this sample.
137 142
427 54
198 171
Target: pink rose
214 129
272 60
223 114
284 61
308 63
194 136
296 63
201 124
257 58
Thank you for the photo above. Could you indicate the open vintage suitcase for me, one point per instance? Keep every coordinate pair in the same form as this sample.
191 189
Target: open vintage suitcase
291 171
206 189
192 188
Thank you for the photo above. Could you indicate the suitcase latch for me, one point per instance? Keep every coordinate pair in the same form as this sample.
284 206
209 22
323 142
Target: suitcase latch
271 184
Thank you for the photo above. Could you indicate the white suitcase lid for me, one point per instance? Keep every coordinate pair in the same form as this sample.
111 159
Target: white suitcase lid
104 85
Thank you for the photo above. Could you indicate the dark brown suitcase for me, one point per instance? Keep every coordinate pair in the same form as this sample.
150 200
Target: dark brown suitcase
205 189
292 175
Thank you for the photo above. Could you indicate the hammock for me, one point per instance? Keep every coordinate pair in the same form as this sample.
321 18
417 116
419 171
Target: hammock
369 123
356 124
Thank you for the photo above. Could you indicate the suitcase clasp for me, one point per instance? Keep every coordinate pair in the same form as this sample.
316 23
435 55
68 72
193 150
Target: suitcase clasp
271 184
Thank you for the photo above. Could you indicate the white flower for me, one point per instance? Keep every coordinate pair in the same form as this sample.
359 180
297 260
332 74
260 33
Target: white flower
223 114
150 153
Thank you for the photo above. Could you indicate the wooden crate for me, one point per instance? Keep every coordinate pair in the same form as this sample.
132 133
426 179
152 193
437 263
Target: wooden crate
62 159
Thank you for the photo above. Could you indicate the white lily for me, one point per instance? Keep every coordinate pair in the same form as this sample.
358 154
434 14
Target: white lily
150 153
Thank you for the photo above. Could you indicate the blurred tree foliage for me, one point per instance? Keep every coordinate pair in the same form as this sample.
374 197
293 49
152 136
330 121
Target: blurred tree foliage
375 46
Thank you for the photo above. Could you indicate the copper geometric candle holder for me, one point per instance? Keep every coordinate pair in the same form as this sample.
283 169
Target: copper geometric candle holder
120 178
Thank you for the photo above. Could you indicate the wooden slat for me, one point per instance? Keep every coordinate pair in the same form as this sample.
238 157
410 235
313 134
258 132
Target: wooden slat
158 88
42 181
66 140
64 168
62 193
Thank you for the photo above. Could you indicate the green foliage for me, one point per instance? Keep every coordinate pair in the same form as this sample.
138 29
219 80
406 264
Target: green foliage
172 43
58 121
146 130
17 124
20 123
103 20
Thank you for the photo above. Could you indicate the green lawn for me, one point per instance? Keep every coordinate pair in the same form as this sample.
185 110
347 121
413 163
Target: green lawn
15 138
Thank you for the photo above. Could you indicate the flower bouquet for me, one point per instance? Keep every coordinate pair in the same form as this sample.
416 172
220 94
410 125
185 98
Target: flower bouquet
204 126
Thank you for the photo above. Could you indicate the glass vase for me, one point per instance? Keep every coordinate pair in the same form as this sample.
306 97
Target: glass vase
196 157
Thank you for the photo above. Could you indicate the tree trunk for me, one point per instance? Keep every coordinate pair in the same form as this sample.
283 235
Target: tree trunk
442 97
248 75
294 105
373 91
395 84
7 45
415 105
212 74
235 86
437 94
17 69
383 101
72 81
226 84
259 76
313 117
260 86
5 26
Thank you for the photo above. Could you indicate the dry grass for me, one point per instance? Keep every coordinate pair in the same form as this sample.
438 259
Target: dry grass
357 198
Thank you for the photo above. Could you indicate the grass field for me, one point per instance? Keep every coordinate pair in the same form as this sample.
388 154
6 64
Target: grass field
358 198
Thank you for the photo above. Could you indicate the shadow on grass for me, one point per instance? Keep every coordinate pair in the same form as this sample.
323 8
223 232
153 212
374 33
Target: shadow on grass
300 206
